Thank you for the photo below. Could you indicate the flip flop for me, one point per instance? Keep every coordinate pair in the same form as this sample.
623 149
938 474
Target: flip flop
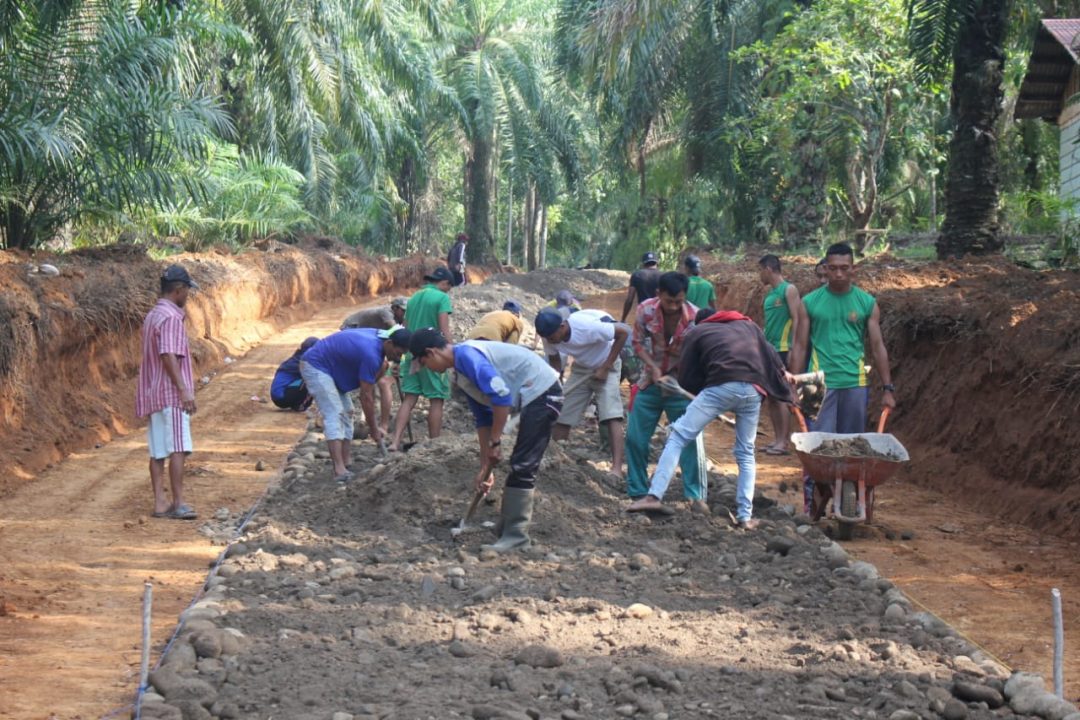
774 451
162 514
184 512
344 477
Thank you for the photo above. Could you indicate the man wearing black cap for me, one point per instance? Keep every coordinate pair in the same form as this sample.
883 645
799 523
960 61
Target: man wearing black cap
643 283
700 293
165 392
498 377
501 325
456 259
429 307
340 363
287 390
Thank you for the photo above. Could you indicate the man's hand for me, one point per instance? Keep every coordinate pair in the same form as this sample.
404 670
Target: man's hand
485 479
888 399
601 373
657 374
494 455
377 434
187 402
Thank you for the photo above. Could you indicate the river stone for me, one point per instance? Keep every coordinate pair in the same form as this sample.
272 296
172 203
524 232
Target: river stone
904 715
973 692
954 710
780 545
895 612
539 656
639 611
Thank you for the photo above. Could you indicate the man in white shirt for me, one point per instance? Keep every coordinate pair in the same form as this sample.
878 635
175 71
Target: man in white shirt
594 340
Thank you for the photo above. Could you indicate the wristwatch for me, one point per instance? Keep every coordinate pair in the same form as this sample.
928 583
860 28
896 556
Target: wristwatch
888 387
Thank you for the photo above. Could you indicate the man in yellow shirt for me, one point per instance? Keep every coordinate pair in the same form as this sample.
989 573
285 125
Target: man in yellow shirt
501 326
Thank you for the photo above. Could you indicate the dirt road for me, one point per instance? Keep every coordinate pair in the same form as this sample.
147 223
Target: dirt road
77 544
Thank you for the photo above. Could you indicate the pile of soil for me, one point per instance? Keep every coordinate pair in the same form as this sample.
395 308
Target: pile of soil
358 600
583 283
967 339
853 447
472 302
70 347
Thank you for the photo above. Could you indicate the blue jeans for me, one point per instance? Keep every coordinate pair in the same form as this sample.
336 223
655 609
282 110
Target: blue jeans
648 406
737 397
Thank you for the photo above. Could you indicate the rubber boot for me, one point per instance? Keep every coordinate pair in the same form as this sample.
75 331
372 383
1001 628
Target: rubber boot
517 510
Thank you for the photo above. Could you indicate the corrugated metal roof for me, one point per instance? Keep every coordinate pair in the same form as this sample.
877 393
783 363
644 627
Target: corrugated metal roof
1064 30
1056 51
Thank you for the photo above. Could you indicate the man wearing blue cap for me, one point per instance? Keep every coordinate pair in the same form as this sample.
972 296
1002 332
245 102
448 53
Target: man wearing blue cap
339 364
498 377
287 390
501 325
595 345
643 283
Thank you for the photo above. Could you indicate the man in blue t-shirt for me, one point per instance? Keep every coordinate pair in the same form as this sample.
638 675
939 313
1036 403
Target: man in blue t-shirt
339 364
498 377
287 390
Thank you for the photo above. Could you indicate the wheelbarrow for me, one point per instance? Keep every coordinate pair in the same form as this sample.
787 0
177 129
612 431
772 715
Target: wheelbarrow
848 481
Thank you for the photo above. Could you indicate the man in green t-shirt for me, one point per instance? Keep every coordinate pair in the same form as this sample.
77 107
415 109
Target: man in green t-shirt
836 320
429 307
781 306
701 293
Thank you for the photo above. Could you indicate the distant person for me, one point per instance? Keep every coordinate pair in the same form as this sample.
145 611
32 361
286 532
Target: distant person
382 317
835 321
730 366
701 293
498 378
288 390
565 299
455 260
659 329
338 364
429 307
165 392
781 307
643 283
595 346
500 325
821 273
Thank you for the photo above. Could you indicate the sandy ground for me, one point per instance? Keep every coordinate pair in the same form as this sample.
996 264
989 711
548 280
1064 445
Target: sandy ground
77 544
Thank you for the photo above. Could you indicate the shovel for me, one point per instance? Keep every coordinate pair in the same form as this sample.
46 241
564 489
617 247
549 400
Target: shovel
477 497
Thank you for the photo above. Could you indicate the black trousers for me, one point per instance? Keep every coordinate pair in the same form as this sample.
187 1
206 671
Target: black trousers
459 278
534 433
294 398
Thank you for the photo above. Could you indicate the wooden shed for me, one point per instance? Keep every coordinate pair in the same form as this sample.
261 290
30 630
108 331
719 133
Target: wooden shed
1053 76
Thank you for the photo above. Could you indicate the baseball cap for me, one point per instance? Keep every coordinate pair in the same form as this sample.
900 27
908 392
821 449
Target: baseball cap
547 322
564 298
308 342
439 274
513 306
398 335
177 273
425 339
692 261
400 302
649 258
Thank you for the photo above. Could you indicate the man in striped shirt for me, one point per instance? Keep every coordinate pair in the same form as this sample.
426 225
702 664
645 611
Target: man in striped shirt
166 392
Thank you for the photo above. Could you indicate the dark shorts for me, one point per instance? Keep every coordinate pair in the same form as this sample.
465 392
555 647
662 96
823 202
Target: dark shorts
843 411
459 278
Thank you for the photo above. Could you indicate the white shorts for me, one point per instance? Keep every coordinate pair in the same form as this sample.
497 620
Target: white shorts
336 407
581 389
169 432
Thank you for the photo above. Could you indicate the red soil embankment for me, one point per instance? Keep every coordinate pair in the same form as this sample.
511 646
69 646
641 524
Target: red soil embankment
69 345
986 359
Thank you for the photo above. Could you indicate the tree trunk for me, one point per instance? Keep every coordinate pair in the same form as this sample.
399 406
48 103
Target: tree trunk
526 226
406 184
478 207
543 236
534 227
972 181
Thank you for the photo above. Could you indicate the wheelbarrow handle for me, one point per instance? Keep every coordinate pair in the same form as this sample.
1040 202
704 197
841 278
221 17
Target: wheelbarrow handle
800 418
881 421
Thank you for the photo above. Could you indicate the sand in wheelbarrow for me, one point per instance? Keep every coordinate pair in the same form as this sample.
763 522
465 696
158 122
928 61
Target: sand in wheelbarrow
857 447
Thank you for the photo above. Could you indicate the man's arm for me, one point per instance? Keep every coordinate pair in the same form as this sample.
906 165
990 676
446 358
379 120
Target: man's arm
797 355
631 294
881 355
444 326
794 302
622 332
640 333
712 296
172 369
367 404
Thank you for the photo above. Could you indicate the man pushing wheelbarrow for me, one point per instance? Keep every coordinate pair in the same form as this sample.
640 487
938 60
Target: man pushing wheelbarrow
835 320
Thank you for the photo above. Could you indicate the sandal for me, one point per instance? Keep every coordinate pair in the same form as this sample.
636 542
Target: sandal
344 477
183 512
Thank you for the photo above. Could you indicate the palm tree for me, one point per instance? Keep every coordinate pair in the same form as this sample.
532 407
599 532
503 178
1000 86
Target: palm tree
972 34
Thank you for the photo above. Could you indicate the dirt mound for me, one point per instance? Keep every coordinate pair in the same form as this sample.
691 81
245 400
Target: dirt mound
549 281
985 356
69 345
857 447
472 302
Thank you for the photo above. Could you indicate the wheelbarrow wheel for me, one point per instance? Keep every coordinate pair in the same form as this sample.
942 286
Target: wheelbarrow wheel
849 507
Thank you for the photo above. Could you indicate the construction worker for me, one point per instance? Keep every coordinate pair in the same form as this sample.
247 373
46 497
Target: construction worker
287 390
501 325
595 346
700 292
455 260
727 362
781 305
334 367
565 299
661 324
497 378
381 318
428 307
643 283
835 321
